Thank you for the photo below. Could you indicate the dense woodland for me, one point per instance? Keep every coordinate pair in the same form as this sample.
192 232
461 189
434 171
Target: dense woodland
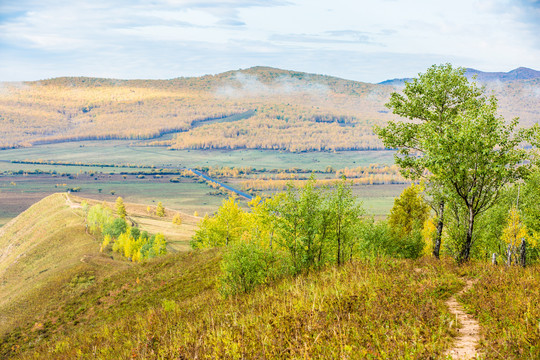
286 110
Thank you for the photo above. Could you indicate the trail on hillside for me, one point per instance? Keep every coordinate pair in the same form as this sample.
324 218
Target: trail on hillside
465 345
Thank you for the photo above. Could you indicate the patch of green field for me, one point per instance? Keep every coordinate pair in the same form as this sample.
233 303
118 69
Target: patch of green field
120 152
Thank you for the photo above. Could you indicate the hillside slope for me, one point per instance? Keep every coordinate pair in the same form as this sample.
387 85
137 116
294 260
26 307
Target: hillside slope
43 249
75 303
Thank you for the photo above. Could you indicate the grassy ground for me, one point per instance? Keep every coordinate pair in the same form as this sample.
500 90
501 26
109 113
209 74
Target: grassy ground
169 308
506 302
46 244
47 248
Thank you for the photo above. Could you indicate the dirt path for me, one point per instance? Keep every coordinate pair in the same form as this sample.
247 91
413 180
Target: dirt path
465 345
71 204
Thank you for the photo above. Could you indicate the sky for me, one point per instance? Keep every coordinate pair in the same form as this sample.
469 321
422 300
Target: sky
364 40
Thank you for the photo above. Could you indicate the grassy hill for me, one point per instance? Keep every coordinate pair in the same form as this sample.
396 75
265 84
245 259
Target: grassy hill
256 108
42 248
46 255
61 299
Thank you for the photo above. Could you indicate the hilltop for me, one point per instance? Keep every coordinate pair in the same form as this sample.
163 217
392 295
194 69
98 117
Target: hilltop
255 108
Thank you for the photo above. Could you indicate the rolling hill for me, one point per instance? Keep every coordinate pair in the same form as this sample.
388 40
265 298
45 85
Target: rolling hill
47 256
255 108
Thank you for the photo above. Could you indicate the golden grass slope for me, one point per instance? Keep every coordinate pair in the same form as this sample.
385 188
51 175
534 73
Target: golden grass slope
46 255
37 249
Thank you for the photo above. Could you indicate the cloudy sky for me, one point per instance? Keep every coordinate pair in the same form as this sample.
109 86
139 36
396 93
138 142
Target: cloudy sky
364 40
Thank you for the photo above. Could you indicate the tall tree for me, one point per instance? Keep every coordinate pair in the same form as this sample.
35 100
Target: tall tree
473 157
433 99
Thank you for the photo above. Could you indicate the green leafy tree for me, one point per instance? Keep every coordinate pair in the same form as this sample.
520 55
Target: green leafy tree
120 207
433 100
246 265
345 215
115 227
471 153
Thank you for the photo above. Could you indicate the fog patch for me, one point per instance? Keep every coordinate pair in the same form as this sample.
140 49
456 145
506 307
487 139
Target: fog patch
10 87
251 86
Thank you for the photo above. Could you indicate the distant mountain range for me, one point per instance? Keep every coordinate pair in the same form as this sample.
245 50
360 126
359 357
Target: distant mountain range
521 73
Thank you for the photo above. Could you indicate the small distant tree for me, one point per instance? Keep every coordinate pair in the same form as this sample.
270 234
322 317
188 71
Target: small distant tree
149 209
120 207
409 211
160 210
98 218
196 214
177 219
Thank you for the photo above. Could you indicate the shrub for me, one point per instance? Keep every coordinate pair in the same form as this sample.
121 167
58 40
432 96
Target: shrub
379 239
247 265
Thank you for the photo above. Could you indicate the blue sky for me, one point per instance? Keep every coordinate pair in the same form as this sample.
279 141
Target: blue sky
354 39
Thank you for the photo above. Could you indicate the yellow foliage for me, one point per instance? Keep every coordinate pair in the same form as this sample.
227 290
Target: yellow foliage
428 234
515 230
177 219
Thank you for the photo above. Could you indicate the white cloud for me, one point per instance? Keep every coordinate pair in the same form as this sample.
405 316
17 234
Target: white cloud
363 40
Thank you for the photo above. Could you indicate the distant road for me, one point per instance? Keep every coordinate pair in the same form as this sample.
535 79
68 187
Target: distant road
241 193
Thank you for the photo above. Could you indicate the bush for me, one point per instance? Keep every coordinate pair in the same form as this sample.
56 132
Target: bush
247 265
115 228
379 239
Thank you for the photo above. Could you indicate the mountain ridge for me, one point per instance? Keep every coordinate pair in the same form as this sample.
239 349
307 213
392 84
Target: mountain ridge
520 73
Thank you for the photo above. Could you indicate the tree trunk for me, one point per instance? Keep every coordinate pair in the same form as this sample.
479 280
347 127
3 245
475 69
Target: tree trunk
466 251
523 253
437 246
339 244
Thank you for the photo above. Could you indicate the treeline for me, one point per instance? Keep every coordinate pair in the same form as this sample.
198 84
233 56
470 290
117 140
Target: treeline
282 184
78 163
296 230
116 235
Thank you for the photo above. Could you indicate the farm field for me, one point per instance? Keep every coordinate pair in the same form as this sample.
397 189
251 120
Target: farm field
19 190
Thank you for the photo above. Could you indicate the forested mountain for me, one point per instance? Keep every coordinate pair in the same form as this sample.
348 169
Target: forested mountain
259 107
